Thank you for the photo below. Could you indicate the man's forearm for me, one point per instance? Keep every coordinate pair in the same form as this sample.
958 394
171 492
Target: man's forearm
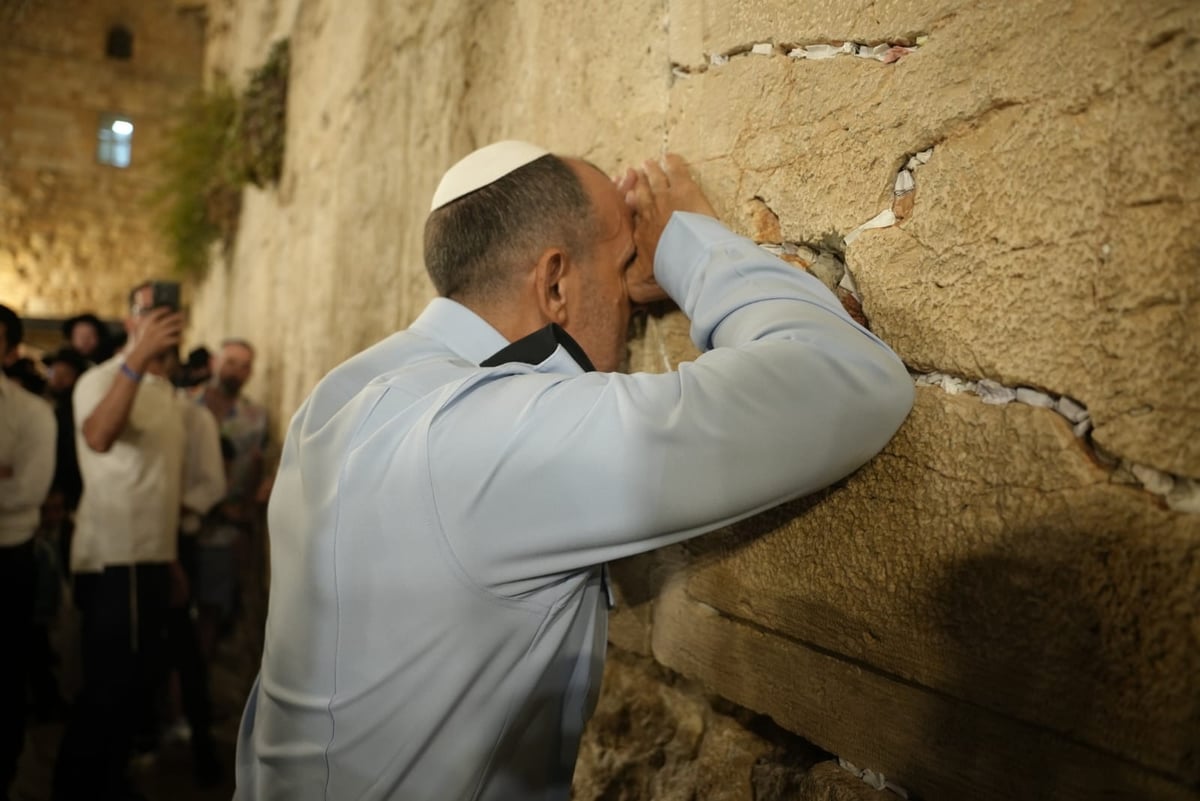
107 421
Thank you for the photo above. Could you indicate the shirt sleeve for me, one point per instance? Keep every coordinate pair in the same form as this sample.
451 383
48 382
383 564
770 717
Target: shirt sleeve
203 468
535 475
89 390
33 458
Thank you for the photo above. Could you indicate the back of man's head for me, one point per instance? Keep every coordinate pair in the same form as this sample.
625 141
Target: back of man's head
13 330
476 244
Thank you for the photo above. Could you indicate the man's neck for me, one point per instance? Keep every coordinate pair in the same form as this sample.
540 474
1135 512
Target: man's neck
219 402
225 394
513 322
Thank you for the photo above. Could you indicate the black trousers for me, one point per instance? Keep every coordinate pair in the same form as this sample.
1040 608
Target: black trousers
123 644
185 656
42 680
16 619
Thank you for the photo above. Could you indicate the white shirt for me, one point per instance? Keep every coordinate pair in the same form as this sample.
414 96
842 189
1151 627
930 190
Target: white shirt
436 626
129 511
27 438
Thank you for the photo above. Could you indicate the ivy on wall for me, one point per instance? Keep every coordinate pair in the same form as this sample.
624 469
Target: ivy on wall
221 141
264 112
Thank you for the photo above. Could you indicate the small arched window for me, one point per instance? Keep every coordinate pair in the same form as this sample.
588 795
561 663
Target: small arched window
119 44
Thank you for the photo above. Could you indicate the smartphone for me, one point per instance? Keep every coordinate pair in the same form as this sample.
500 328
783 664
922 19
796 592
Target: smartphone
165 293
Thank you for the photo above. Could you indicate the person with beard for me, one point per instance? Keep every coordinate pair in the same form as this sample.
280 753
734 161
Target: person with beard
243 423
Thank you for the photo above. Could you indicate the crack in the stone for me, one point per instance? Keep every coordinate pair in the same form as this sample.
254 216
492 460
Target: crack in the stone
886 52
828 257
1179 493
824 263
872 777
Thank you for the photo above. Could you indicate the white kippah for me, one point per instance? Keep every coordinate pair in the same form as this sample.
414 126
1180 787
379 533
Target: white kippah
485 165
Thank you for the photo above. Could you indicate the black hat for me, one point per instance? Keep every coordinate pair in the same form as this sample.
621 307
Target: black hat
68 356
86 317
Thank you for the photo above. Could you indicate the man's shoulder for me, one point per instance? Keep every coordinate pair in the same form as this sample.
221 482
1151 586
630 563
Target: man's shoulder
397 363
95 381
99 372
26 404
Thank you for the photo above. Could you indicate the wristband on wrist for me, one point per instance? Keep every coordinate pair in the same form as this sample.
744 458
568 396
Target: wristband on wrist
131 374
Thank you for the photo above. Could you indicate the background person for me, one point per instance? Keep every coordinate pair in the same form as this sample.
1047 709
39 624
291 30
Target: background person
27 434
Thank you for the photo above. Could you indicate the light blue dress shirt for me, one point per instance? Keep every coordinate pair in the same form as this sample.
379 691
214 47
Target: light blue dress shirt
436 627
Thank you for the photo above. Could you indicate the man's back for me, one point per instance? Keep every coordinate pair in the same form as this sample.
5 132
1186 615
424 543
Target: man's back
383 654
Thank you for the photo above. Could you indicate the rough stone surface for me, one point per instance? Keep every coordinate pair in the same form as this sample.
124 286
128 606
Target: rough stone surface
933 745
1055 227
1011 574
75 234
650 740
828 781
982 612
656 735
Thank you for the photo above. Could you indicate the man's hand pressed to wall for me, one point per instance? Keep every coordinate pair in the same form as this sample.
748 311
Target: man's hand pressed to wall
654 193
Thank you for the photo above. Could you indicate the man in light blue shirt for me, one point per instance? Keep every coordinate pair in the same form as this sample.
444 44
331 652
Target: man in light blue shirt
447 498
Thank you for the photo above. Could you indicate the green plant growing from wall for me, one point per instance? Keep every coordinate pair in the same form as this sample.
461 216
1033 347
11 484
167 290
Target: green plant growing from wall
262 125
221 142
200 197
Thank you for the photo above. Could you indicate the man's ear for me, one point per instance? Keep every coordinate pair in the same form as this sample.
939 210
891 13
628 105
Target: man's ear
550 280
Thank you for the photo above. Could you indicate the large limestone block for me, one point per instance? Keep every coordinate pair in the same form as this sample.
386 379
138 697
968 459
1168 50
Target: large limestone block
933 745
1092 299
984 556
1053 229
583 79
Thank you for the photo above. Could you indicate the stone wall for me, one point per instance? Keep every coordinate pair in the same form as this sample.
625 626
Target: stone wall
1006 603
76 234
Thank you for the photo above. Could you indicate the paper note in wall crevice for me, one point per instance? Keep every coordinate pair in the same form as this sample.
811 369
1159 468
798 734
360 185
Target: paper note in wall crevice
884 219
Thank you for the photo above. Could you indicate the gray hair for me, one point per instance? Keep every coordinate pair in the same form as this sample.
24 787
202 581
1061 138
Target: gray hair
475 244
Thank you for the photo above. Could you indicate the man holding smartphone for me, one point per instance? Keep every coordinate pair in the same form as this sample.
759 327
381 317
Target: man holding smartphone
131 437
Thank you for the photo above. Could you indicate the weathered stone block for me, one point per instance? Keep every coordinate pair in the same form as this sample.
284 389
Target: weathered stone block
921 739
1011 574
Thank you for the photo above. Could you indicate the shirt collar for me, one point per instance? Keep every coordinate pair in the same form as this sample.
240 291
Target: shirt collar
551 346
473 339
460 329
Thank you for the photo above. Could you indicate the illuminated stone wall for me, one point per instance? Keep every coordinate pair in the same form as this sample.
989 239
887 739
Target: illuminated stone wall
76 234
1005 603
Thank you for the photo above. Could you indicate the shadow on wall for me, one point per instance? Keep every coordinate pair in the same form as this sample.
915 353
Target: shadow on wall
1027 642
1020 637
1031 685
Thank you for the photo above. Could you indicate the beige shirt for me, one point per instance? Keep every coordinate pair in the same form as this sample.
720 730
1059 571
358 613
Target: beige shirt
27 437
129 512
203 467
